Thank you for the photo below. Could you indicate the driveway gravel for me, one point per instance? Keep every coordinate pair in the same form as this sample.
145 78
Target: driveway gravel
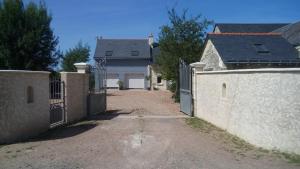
141 129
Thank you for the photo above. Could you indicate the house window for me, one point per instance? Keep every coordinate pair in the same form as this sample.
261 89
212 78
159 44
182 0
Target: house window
108 53
260 48
134 53
158 79
224 90
29 93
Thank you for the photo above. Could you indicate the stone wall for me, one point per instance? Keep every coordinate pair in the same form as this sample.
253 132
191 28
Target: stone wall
24 104
160 86
212 58
261 106
76 91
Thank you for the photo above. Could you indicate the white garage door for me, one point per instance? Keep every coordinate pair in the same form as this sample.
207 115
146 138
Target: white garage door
112 80
135 81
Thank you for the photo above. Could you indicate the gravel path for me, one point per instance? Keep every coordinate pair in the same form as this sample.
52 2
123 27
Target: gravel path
142 129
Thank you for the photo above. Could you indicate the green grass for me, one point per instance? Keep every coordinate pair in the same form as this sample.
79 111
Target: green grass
292 158
220 134
236 144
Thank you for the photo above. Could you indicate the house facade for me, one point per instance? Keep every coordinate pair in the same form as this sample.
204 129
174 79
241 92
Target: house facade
247 46
129 61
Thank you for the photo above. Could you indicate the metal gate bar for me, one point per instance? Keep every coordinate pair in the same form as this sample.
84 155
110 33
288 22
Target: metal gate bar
185 88
57 102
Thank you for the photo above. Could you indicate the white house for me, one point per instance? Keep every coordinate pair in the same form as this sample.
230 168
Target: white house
129 61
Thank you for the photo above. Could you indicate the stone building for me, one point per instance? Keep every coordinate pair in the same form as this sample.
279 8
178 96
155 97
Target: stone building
247 46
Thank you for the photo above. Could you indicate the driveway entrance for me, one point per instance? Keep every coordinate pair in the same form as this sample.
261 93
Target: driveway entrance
141 129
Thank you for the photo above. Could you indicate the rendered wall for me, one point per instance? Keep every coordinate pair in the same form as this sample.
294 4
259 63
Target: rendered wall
20 119
261 106
76 91
96 103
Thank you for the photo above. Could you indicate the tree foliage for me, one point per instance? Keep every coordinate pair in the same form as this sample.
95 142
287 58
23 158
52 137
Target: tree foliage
183 38
27 41
80 53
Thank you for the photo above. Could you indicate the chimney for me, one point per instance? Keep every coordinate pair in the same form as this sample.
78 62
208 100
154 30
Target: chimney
151 39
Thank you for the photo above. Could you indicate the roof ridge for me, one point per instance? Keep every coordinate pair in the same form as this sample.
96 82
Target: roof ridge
119 39
251 23
235 33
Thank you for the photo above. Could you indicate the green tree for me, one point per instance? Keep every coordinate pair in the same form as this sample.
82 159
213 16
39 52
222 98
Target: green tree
27 41
80 53
183 38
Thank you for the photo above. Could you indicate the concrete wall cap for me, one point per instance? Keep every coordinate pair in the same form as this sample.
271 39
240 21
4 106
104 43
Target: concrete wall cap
197 64
82 67
264 70
81 64
24 71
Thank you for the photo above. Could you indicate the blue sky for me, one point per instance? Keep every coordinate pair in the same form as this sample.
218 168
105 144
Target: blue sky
75 20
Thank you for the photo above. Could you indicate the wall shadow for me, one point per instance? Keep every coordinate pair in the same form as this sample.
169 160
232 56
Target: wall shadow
109 114
66 131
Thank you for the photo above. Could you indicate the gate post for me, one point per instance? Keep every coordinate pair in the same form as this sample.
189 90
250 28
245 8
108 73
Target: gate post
196 67
76 92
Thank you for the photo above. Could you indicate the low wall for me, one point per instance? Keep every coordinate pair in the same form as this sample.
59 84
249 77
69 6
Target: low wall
76 95
96 103
261 106
24 104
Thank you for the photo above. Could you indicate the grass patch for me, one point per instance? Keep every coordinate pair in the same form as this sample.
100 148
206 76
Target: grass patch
235 144
292 158
206 127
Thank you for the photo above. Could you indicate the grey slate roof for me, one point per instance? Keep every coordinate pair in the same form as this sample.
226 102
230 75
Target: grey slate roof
122 48
291 32
248 28
241 49
127 62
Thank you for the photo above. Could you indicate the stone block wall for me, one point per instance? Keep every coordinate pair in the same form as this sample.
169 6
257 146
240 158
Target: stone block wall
24 104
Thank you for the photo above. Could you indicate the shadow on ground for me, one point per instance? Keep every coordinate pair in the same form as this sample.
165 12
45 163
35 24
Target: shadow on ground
112 94
77 128
109 114
66 131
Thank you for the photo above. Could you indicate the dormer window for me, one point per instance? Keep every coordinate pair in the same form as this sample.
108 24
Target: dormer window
108 53
134 53
260 48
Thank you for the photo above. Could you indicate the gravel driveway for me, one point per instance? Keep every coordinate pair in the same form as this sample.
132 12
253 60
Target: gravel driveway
141 129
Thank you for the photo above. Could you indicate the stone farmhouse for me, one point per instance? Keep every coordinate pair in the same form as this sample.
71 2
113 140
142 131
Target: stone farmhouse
244 46
247 83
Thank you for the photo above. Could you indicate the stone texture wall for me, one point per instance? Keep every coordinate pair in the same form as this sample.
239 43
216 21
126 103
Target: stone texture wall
23 116
76 91
261 106
155 85
212 58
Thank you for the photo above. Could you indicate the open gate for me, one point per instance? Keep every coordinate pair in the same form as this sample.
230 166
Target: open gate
99 75
57 102
185 77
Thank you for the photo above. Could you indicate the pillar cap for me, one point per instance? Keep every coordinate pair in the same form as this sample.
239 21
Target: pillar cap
82 67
